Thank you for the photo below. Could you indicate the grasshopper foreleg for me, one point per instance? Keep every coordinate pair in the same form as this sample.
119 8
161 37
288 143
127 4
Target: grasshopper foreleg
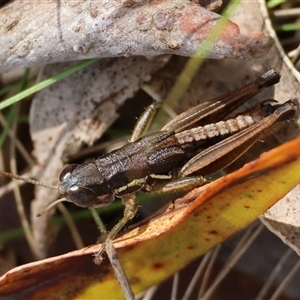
130 211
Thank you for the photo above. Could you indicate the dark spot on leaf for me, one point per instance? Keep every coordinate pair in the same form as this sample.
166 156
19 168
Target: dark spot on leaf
214 232
157 265
128 248
247 206
248 195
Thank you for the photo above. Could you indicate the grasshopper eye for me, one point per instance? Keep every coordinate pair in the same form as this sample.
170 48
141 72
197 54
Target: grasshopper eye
67 171
85 197
82 196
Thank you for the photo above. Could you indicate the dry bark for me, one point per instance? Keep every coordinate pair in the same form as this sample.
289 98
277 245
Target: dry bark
43 32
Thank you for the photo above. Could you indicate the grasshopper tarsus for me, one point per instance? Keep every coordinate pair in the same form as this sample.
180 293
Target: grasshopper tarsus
286 111
270 78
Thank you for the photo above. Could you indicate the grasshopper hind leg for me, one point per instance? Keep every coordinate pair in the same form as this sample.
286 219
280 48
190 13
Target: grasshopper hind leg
180 185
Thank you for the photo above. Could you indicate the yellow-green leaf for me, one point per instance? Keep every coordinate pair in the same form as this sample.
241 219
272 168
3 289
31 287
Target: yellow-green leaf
155 250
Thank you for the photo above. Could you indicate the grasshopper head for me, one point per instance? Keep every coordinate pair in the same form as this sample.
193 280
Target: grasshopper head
84 186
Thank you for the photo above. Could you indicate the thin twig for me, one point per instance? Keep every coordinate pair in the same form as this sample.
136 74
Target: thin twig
231 263
16 189
118 269
100 224
208 270
175 282
18 144
262 293
72 227
196 275
148 295
285 281
296 55
287 13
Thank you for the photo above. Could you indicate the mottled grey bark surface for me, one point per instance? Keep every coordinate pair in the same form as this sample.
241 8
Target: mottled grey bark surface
43 32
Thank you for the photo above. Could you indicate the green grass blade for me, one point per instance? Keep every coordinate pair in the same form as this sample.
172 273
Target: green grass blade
45 83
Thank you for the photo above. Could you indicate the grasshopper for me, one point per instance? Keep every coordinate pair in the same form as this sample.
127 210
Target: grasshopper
196 143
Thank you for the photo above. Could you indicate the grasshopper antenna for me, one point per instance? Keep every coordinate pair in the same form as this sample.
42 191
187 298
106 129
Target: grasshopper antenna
28 180
51 205
35 182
